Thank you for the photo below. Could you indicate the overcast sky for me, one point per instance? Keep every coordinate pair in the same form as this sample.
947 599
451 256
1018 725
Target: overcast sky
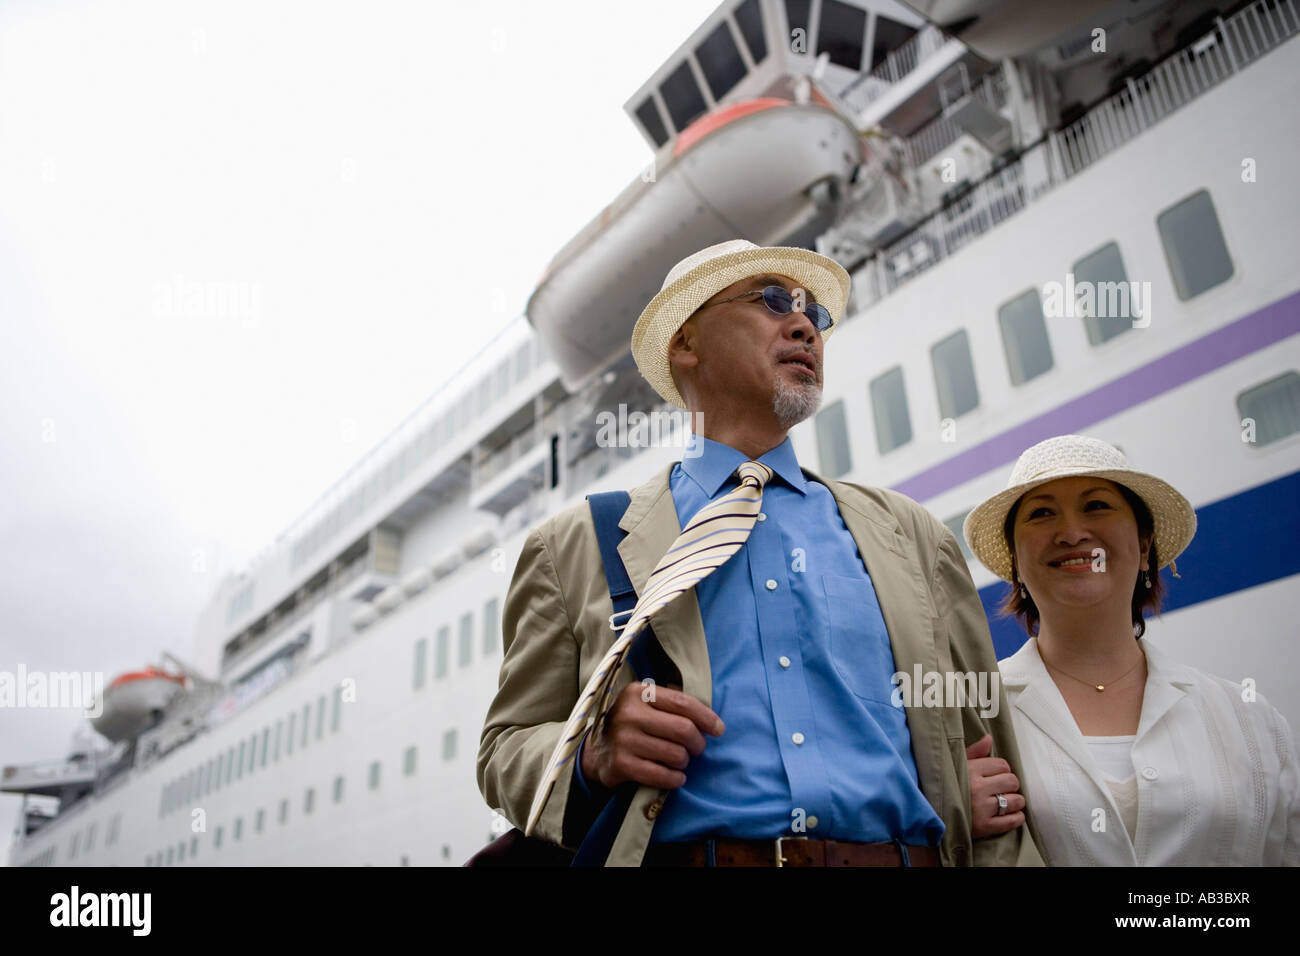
239 243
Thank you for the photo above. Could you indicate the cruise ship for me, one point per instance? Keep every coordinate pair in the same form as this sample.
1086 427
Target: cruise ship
1059 217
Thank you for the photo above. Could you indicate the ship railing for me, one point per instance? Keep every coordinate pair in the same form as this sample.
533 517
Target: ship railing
1231 46
898 63
493 464
1173 83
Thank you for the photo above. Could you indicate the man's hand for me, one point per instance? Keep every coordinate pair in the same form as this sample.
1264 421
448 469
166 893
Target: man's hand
649 740
990 776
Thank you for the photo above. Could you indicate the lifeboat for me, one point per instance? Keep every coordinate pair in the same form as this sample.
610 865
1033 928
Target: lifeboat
760 169
133 701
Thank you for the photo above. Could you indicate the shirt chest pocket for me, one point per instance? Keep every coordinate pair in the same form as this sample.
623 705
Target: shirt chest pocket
858 642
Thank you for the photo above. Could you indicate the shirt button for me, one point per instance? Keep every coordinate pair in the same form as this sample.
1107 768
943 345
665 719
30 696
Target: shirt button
1150 773
784 661
771 585
653 809
761 516
797 738
812 823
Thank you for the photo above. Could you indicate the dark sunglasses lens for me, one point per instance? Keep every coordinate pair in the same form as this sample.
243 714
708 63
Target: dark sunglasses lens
820 315
778 299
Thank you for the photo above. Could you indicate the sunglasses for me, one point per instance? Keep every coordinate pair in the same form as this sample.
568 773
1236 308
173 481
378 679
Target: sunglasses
781 302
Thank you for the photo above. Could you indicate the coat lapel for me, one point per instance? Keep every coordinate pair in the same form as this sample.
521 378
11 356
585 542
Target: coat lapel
652 526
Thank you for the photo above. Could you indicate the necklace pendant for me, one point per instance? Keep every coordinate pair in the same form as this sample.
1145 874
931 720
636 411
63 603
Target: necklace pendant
1100 688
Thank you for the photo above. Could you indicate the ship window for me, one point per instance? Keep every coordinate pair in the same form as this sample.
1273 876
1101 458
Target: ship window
216 839
1198 257
797 16
288 738
180 852
682 96
320 716
750 20
266 740
842 33
1273 407
648 114
215 782
338 789
443 661
252 753
408 761
421 652
309 800
449 745
890 35
833 441
90 838
338 706
1112 311
1024 337
374 775
72 853
259 821
284 811
720 61
239 767
954 375
230 764
466 638
955 526
279 729
239 828
306 717
491 627
889 410
194 847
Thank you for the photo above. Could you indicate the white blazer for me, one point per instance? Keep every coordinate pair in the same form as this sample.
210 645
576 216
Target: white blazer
1217 778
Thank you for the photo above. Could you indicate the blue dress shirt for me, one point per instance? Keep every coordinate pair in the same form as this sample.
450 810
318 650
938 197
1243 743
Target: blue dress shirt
801 665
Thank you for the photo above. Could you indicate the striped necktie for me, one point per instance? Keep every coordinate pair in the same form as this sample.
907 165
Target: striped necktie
716 532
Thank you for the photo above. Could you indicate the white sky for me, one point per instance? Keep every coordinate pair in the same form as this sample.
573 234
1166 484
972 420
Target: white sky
239 243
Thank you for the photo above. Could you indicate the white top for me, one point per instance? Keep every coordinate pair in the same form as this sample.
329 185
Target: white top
1215 775
1113 756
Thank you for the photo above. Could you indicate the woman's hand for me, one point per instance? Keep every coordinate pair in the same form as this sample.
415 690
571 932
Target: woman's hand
990 776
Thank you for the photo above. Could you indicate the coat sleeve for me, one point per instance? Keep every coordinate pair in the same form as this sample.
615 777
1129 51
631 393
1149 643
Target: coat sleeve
963 624
536 691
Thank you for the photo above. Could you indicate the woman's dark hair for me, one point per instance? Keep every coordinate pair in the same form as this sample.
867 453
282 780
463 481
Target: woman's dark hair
1143 597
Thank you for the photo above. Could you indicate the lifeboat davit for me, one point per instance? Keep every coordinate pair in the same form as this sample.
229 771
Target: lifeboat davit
759 170
133 700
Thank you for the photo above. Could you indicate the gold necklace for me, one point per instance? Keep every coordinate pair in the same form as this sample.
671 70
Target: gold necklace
1099 688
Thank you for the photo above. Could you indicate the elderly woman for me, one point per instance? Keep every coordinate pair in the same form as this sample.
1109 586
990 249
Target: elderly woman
1130 758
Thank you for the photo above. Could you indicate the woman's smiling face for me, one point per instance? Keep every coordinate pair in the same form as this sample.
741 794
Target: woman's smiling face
1076 544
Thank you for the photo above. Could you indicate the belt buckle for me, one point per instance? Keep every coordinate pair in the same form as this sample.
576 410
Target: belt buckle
780 858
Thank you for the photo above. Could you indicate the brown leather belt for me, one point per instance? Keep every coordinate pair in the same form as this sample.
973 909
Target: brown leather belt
787 851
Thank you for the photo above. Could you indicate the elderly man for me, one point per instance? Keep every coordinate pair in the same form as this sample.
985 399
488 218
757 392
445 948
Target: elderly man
778 740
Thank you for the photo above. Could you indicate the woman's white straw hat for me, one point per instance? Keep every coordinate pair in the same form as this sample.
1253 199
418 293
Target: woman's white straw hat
701 276
1070 456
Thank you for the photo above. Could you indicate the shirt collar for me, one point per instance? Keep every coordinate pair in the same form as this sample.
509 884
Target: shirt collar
717 462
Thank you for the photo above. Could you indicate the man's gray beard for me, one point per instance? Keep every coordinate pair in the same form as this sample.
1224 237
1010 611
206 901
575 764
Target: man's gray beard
794 403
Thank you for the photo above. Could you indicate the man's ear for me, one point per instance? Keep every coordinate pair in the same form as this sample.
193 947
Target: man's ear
681 348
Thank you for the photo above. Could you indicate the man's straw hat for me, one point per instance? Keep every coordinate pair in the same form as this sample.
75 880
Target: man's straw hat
701 276
1070 456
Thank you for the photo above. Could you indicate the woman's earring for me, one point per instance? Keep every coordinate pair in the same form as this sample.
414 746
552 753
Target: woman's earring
1023 592
1146 579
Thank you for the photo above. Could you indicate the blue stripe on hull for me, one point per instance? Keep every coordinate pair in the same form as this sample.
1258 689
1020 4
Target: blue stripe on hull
1247 539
